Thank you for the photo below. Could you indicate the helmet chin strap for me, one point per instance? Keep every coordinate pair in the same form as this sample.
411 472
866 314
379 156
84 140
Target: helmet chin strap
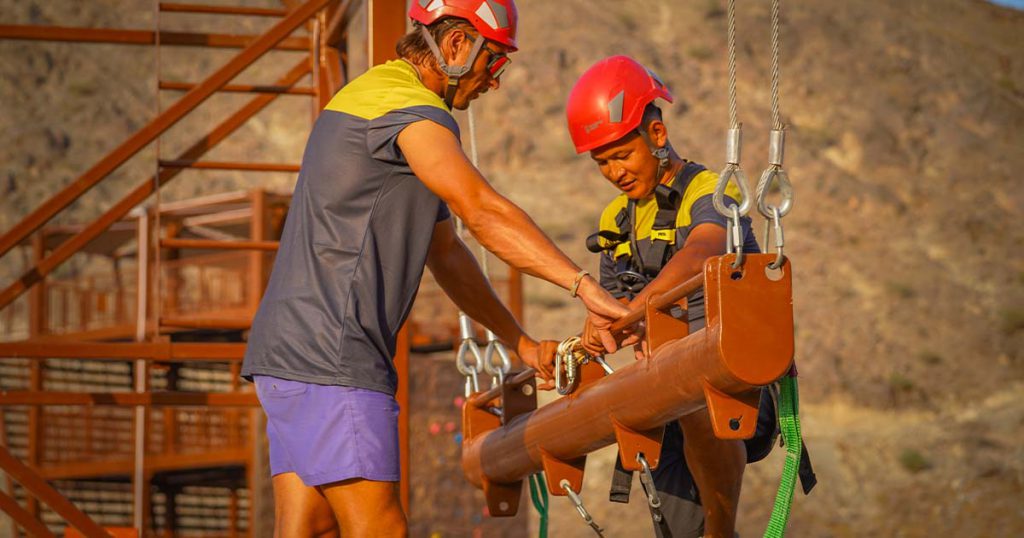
454 72
660 153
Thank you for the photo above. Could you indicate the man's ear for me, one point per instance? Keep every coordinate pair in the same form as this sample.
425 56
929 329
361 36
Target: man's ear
658 133
455 39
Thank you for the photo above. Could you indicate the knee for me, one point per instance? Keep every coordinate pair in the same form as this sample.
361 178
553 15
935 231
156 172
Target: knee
293 526
389 523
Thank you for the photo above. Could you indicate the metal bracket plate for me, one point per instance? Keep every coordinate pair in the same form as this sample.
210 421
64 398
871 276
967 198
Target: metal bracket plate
502 498
756 338
732 417
633 442
663 327
556 469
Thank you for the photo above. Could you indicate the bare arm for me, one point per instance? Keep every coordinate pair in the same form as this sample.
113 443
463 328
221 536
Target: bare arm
437 159
459 275
704 241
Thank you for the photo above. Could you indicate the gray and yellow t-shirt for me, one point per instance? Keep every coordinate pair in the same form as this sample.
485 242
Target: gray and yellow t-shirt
355 241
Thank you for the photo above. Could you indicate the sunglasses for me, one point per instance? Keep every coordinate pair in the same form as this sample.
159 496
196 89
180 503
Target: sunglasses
498 63
499 60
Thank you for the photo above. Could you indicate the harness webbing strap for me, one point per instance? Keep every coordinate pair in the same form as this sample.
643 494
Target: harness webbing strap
789 422
539 496
622 482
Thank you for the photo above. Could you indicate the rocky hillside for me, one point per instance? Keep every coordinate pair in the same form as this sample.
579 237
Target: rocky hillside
904 139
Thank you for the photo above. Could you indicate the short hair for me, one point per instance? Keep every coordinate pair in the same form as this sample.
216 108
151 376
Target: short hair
414 47
651 113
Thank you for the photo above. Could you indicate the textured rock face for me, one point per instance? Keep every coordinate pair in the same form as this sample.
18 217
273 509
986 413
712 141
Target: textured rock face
904 141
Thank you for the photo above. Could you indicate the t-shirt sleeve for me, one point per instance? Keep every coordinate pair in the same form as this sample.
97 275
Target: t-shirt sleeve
382 133
703 210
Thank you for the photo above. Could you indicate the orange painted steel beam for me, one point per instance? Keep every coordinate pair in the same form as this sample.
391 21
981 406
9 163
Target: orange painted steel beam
74 244
32 32
747 343
241 88
239 323
231 165
160 124
665 300
174 7
154 463
32 526
130 399
387 21
38 487
159 351
213 244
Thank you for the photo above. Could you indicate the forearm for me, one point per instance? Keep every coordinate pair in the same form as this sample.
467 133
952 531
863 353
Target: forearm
461 278
507 231
680 268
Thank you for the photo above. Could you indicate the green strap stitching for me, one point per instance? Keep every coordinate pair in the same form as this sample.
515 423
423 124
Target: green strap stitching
539 496
789 423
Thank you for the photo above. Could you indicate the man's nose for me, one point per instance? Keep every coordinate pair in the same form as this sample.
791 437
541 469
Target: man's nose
617 171
495 83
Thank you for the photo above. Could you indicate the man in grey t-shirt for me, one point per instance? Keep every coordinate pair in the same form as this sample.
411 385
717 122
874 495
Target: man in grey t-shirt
381 172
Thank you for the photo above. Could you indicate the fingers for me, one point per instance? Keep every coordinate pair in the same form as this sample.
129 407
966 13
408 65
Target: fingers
630 340
546 385
608 340
546 359
590 339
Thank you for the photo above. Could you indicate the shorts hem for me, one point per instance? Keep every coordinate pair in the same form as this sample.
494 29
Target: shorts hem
321 479
340 381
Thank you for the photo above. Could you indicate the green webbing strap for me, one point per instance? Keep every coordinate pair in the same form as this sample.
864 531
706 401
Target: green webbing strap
539 496
789 424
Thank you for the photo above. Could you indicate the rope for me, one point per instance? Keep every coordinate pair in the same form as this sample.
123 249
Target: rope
495 359
539 496
732 170
776 120
733 113
789 423
775 173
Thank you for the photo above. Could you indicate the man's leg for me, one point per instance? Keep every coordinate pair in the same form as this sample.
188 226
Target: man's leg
717 467
367 508
301 511
684 516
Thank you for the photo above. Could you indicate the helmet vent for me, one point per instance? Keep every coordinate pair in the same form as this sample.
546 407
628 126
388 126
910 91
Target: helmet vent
615 107
486 14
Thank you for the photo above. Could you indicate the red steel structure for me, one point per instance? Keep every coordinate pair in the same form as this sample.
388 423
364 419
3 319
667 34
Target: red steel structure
136 373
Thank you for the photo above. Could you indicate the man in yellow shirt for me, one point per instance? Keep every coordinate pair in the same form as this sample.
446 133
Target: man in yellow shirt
653 236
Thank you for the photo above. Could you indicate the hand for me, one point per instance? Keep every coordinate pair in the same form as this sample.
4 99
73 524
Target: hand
540 357
603 309
591 340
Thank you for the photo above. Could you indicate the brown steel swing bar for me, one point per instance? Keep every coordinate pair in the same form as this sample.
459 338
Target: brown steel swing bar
747 343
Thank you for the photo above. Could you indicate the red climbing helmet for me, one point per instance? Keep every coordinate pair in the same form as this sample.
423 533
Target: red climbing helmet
608 101
494 19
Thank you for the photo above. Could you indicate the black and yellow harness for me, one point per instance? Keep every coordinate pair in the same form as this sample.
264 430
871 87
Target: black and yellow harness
637 261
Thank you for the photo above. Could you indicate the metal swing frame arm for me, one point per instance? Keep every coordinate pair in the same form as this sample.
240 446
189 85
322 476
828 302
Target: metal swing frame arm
747 343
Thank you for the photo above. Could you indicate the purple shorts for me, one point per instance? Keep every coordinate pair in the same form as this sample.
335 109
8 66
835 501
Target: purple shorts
328 433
